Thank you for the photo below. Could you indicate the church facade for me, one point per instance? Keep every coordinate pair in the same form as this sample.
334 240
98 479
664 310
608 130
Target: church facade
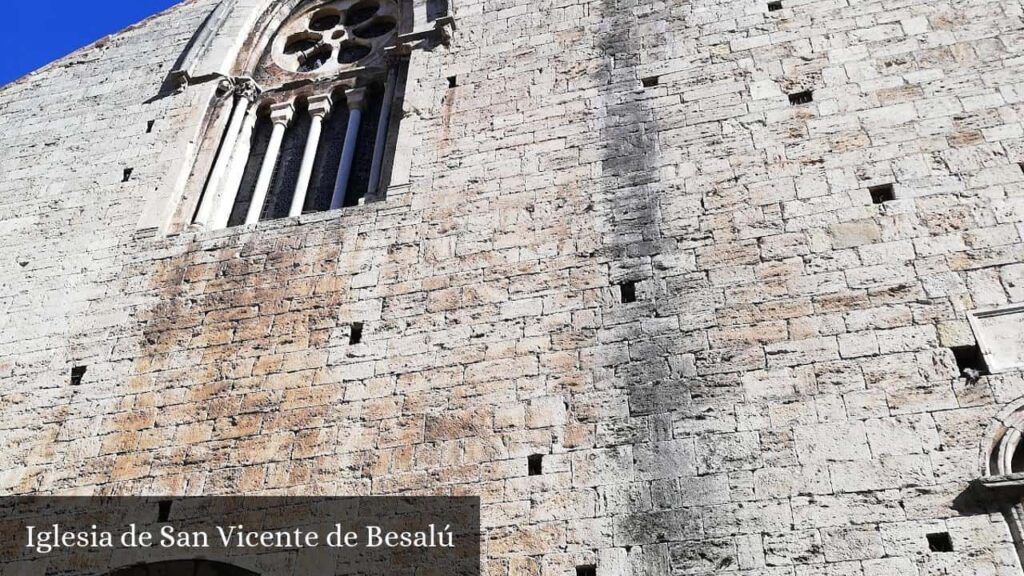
676 288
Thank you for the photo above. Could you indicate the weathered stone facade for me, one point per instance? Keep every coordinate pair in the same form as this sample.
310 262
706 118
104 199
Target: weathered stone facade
780 400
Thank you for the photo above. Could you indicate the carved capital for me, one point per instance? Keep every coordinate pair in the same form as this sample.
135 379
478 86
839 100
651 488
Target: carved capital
356 98
247 89
282 113
320 106
225 87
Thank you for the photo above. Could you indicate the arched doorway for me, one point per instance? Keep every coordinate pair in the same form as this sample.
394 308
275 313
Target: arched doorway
182 568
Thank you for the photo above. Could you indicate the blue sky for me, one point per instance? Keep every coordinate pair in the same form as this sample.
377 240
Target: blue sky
38 32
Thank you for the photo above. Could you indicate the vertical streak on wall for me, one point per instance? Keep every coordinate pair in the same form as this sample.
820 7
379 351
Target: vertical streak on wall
628 217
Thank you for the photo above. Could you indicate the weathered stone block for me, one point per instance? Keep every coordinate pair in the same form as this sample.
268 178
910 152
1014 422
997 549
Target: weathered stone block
669 459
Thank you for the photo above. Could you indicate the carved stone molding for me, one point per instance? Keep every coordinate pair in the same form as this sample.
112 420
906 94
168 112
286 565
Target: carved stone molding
1001 483
248 89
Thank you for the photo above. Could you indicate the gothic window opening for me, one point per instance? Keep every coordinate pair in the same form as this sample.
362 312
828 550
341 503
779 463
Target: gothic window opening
313 129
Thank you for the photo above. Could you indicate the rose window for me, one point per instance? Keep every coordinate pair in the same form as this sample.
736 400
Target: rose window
314 128
335 37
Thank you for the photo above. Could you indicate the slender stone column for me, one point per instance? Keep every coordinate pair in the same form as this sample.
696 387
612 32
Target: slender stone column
280 115
319 107
356 99
382 133
224 155
236 170
227 190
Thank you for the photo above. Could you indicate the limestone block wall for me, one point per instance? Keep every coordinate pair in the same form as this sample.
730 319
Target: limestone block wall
780 399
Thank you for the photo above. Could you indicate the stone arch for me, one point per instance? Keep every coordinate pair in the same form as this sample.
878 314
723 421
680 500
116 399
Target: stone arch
271 21
232 38
192 567
1001 483
1002 452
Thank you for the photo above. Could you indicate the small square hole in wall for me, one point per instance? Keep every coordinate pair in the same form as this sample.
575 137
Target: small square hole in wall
774 6
940 542
627 292
149 126
650 81
535 464
587 570
803 97
882 193
163 511
1021 166
453 81
356 335
127 174
970 363
77 373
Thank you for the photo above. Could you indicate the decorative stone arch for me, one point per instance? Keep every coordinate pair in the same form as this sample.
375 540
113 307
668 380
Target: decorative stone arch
1002 453
191 567
220 65
1001 462
219 50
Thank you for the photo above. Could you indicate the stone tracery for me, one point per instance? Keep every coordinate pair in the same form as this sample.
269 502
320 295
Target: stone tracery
334 37
309 130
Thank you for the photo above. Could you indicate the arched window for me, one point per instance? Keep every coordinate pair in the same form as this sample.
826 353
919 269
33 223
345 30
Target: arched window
1002 481
314 126
275 72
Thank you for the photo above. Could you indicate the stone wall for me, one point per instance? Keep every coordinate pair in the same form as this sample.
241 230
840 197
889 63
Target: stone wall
780 400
